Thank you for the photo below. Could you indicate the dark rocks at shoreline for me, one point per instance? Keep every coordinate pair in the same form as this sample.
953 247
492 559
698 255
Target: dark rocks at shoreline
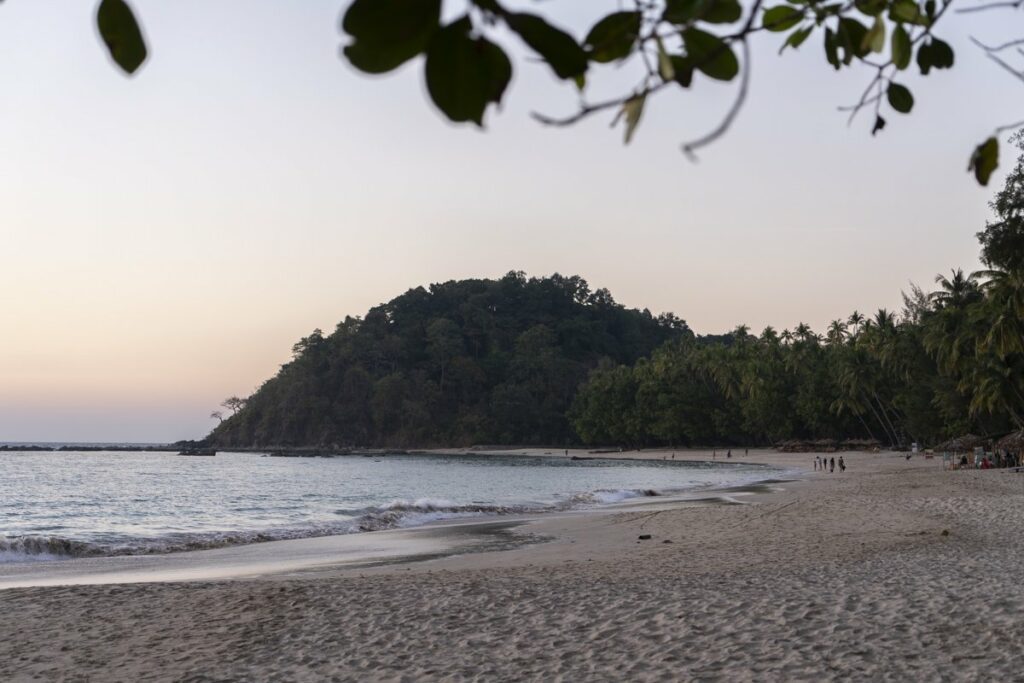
88 449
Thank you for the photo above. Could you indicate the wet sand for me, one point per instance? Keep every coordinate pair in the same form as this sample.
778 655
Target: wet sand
895 570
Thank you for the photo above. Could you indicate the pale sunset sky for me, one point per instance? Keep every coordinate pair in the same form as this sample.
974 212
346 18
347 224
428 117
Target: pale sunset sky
166 238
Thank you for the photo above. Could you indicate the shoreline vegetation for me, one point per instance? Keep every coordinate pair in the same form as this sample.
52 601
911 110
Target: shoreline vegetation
575 452
875 573
549 360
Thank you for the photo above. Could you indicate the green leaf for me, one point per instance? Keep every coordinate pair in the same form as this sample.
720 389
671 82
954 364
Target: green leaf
851 39
985 160
665 68
831 51
710 11
822 12
874 39
683 69
465 74
722 11
681 11
871 8
900 98
632 110
389 33
797 38
710 54
121 34
613 37
941 53
560 50
901 49
935 54
781 18
907 12
924 59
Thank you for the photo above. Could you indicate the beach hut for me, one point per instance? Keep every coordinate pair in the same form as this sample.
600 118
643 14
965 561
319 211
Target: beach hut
1014 445
860 445
960 445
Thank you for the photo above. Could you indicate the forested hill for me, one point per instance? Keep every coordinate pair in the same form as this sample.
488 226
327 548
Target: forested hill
458 363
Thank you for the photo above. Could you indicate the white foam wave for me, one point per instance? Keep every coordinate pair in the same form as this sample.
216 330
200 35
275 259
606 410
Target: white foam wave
609 496
398 513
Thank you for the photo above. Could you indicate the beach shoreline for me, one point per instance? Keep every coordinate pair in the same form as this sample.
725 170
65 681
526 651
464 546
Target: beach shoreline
309 555
894 570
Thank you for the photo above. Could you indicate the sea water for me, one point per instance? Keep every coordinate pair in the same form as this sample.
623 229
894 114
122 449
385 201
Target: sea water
72 504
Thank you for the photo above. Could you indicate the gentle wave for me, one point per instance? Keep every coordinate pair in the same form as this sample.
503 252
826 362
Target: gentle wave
393 515
608 496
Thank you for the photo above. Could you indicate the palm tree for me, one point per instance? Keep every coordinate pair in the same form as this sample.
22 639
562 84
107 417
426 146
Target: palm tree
959 291
836 332
803 332
855 320
856 381
885 320
1005 304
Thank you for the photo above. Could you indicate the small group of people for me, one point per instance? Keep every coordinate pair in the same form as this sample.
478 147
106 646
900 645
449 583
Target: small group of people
982 460
823 463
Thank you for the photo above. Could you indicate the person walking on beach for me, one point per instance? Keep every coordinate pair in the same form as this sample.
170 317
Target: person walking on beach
842 465
729 453
815 463
831 465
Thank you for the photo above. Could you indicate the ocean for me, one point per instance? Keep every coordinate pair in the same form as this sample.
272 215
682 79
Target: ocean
56 505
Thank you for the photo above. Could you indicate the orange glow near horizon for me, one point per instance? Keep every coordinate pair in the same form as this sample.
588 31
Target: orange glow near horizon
167 238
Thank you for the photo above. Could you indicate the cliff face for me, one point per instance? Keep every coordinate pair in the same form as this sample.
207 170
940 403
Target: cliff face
470 361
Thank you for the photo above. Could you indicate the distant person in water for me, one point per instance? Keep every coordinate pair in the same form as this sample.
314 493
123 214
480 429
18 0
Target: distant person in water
842 465
831 465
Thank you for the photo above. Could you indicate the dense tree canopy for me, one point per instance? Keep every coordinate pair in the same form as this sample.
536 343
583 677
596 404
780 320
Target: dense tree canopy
473 361
1002 240
950 362
670 43
549 361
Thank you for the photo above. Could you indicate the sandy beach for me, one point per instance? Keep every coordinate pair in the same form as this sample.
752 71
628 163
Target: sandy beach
895 570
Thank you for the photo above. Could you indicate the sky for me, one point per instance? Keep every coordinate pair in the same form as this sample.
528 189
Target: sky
166 238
